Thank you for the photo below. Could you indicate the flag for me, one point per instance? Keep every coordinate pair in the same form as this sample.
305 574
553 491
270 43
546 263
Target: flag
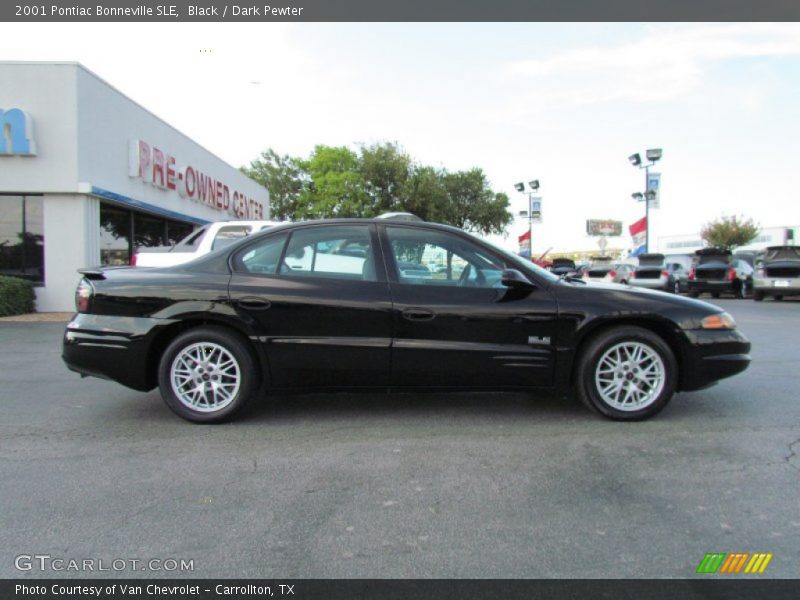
525 244
639 234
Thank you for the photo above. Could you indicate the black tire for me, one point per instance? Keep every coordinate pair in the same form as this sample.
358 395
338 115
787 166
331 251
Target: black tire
590 358
715 294
778 296
758 296
694 294
624 282
247 374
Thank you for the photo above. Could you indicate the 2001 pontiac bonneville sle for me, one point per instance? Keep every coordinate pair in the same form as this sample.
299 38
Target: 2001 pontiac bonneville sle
360 303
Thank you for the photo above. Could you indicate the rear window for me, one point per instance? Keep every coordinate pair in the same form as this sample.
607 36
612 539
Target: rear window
228 235
790 253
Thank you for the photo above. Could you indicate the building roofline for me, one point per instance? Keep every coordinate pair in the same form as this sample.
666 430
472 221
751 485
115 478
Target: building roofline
88 71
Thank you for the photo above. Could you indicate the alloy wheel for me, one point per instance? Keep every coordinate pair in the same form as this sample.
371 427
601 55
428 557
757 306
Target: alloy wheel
630 376
205 377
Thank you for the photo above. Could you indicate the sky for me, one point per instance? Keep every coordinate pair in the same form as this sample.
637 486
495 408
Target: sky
562 103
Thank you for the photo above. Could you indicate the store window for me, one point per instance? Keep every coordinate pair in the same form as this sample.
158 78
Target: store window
122 231
115 235
22 237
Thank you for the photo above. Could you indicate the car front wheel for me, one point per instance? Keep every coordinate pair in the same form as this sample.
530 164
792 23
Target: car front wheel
626 373
207 374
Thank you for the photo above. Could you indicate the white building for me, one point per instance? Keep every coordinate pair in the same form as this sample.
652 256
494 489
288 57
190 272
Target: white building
86 175
768 236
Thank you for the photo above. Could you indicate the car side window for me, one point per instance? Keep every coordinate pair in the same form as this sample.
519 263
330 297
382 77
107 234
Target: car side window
334 251
261 257
426 257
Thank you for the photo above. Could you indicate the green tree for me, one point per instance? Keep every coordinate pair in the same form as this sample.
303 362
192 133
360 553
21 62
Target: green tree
472 203
339 182
337 186
729 232
385 168
285 179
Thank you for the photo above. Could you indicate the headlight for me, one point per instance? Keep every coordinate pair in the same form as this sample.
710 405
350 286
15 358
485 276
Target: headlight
719 321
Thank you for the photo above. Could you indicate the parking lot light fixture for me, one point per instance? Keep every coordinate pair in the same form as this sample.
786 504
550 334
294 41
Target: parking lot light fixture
533 186
653 156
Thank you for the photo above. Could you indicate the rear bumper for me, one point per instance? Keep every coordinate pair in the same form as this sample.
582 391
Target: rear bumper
115 348
662 283
777 286
713 355
710 285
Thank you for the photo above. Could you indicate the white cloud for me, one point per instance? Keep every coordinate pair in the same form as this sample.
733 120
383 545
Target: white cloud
665 63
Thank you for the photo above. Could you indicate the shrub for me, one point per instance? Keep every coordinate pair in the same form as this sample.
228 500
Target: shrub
16 296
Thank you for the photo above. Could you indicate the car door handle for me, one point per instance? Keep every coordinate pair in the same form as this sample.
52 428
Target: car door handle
418 314
253 303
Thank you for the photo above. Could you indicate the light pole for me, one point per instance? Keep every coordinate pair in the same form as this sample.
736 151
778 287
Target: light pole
533 186
653 156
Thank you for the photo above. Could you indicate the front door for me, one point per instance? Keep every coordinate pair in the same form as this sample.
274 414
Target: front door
321 302
455 323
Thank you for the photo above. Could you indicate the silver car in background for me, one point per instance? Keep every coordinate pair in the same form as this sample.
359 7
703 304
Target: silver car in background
603 270
777 274
655 273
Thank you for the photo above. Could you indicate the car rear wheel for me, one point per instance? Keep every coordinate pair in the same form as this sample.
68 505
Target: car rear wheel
626 373
758 296
778 297
715 294
694 294
207 375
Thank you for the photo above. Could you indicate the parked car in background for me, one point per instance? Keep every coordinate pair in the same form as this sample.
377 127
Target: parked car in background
655 273
777 273
604 270
233 325
716 273
563 267
198 243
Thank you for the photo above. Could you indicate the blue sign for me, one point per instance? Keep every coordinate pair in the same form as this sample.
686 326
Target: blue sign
16 133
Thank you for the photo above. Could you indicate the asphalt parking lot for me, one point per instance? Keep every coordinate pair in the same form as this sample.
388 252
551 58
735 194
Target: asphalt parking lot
430 485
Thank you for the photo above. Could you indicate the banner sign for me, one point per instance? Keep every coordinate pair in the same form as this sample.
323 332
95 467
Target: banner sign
525 244
654 185
638 232
536 209
603 227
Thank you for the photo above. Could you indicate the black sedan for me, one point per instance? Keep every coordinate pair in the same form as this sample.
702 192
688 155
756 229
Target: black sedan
287 308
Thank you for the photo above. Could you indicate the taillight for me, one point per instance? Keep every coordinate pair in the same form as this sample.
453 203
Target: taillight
633 274
731 274
612 274
665 273
83 296
133 259
692 274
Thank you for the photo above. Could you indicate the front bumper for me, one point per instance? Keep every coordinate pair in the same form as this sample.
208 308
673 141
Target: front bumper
115 348
711 355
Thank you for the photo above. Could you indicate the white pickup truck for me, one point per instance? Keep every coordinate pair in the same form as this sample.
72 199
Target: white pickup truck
202 241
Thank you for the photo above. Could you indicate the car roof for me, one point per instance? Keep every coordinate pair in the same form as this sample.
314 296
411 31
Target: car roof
362 221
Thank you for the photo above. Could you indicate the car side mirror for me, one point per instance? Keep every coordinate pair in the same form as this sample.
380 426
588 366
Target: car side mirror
515 279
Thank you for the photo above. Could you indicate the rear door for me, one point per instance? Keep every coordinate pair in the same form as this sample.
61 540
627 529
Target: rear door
455 324
319 297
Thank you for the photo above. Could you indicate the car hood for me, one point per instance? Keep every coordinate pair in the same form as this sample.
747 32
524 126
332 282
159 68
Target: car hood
639 297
